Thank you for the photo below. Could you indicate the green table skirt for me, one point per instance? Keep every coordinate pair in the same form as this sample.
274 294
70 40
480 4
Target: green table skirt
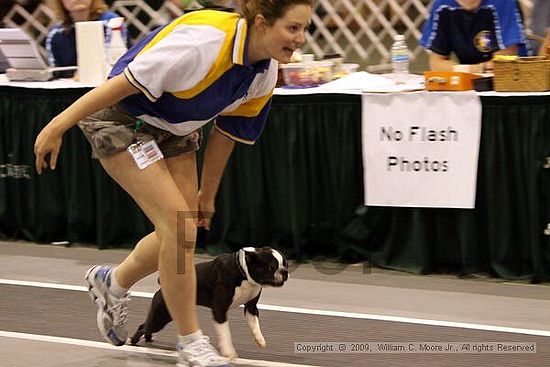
299 188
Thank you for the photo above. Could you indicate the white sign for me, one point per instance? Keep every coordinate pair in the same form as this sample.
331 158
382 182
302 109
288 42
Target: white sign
421 149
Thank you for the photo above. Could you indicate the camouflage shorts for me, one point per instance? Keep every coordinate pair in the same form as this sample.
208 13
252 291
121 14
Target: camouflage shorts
111 131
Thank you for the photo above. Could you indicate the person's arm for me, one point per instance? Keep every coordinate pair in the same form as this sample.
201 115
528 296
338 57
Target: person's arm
488 66
244 124
543 50
436 38
440 63
218 151
444 63
51 48
510 50
49 139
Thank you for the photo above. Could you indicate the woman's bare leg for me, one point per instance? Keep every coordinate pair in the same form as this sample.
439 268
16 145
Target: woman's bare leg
163 190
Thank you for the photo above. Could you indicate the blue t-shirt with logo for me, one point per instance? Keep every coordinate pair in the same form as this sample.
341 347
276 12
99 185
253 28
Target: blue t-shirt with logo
473 36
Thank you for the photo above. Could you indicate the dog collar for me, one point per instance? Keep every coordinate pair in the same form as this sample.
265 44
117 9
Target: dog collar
241 264
238 261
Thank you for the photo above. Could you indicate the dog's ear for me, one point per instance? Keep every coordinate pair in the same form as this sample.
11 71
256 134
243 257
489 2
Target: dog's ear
283 258
280 252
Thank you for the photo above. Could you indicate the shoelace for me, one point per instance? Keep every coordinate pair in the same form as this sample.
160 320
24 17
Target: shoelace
202 349
119 310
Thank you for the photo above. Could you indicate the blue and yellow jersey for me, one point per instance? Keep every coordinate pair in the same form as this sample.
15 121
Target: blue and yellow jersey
473 36
195 69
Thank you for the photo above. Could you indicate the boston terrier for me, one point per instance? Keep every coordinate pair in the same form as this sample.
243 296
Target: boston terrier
225 283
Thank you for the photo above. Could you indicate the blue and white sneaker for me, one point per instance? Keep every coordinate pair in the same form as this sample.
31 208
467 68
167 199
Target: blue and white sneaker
111 310
200 353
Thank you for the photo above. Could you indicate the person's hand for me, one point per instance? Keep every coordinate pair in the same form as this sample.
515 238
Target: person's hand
206 210
488 67
545 47
47 142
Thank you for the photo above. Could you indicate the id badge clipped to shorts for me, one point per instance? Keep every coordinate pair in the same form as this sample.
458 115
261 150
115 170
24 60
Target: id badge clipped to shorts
145 154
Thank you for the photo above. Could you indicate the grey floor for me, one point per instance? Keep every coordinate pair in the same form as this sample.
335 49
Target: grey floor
46 318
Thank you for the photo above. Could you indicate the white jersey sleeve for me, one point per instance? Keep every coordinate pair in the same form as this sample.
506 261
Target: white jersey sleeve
176 61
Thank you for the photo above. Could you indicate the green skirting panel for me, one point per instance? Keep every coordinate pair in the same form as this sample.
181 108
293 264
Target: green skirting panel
299 188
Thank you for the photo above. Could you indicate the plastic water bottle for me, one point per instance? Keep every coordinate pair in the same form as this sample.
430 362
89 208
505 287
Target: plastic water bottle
116 46
399 55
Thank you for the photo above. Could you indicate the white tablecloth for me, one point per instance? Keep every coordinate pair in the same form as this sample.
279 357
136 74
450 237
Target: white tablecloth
334 87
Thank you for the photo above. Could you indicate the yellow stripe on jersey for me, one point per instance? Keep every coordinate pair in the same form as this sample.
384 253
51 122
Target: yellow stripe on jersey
233 137
250 108
240 38
205 17
224 21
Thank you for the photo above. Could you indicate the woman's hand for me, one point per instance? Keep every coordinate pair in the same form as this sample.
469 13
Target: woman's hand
49 139
48 142
206 210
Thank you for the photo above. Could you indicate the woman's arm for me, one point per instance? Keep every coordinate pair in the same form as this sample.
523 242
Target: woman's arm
50 138
218 151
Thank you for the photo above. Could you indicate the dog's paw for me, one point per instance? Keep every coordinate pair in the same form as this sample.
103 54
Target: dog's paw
259 339
228 352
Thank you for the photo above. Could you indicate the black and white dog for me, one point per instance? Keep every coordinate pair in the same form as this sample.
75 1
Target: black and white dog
224 283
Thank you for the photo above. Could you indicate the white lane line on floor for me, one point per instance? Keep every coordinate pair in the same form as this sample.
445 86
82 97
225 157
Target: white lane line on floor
65 287
408 320
26 283
133 349
307 311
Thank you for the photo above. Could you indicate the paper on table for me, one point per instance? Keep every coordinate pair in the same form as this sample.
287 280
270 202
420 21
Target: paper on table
90 50
367 82
358 81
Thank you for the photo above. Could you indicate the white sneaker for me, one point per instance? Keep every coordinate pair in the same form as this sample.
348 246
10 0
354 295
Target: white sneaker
200 353
111 310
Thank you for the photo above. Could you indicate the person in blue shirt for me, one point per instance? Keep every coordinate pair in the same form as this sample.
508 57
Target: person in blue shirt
474 31
144 124
61 40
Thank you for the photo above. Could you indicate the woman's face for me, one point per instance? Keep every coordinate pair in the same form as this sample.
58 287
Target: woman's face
77 5
287 34
469 4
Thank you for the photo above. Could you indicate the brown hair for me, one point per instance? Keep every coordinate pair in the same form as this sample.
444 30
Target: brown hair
270 9
98 7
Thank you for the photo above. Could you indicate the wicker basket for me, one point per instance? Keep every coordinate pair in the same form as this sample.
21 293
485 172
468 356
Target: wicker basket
524 74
